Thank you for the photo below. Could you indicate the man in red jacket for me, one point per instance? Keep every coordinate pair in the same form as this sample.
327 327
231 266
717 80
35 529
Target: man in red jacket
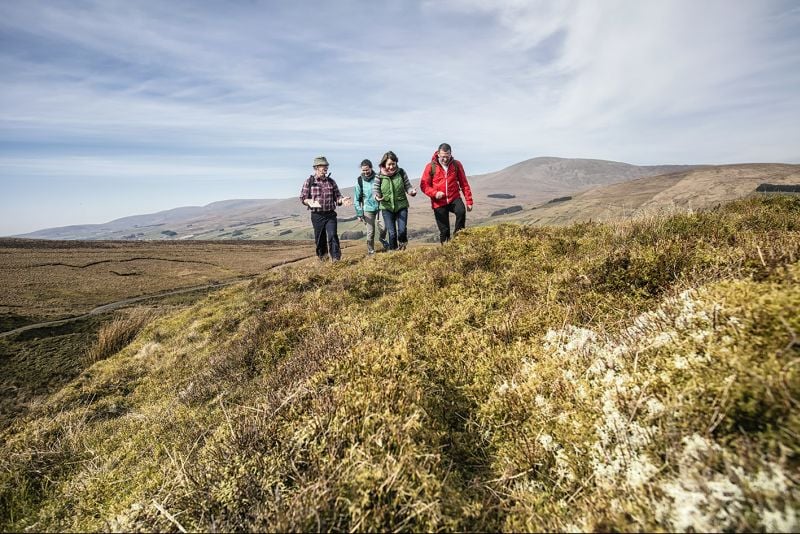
444 180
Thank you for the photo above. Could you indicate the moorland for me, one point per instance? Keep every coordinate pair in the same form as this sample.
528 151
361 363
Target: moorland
57 295
47 280
622 376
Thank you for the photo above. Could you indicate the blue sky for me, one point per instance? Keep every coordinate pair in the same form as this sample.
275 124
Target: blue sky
114 108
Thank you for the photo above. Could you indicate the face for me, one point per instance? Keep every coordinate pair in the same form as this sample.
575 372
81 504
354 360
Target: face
321 170
390 165
444 156
366 170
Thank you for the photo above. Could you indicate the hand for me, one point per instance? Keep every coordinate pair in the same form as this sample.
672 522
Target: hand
439 195
469 207
311 203
378 198
345 201
413 192
361 218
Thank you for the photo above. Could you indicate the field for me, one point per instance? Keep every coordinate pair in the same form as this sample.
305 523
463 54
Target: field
47 280
84 281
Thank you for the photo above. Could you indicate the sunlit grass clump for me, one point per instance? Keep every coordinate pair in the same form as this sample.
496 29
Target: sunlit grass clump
640 376
118 333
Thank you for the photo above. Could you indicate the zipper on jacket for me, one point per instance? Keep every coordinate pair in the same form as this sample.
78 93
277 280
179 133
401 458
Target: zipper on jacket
446 193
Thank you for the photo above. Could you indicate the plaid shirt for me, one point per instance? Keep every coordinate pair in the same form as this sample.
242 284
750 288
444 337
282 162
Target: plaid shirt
325 191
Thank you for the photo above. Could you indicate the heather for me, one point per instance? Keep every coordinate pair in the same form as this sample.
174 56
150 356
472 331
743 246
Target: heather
631 376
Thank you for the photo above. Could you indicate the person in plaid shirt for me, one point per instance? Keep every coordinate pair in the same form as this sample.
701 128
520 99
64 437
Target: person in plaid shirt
321 195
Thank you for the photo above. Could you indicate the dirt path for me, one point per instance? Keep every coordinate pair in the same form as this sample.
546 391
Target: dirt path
118 304
121 303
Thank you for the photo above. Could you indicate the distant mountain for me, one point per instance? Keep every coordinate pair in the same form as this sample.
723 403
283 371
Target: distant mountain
515 190
540 179
214 215
696 188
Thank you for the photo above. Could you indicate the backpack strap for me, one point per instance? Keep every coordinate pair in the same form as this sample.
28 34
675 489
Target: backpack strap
431 172
312 181
460 176
361 191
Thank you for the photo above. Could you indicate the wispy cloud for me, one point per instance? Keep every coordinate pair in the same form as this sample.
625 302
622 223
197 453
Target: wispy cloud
622 66
197 90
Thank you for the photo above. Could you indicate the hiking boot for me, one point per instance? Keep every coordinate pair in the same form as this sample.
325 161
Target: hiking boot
385 244
401 246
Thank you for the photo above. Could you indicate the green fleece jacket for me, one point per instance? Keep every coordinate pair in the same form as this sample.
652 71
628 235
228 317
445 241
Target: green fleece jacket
393 189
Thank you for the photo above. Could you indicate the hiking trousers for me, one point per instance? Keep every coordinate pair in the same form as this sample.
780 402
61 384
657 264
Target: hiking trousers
442 216
325 234
372 220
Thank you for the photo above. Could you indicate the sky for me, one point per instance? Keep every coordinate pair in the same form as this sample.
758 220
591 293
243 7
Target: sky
115 108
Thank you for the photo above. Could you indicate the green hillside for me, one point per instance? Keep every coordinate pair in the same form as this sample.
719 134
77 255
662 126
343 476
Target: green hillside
637 376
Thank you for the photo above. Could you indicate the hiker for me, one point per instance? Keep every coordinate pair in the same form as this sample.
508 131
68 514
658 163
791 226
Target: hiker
367 208
321 195
390 188
444 180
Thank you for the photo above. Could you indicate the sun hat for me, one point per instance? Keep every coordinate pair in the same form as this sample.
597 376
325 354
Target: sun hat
320 160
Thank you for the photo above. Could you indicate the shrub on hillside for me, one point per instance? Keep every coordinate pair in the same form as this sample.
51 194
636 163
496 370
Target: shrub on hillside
506 211
352 235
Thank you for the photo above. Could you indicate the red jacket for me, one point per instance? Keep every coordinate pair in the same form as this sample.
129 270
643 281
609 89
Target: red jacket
451 185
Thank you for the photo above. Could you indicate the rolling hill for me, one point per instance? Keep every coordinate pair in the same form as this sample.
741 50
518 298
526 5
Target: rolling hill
691 189
529 183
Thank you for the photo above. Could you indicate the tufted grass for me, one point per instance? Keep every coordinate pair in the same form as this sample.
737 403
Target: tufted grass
117 333
637 376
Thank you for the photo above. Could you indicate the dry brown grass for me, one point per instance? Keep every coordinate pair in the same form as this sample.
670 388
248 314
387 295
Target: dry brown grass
115 335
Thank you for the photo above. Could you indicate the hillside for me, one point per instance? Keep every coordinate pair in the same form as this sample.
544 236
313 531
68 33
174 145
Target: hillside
639 376
531 182
677 191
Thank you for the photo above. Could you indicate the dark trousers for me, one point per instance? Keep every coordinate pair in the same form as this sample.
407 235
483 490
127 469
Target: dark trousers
325 234
443 218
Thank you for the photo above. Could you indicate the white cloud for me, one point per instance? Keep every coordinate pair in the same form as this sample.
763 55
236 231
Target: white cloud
262 87
623 64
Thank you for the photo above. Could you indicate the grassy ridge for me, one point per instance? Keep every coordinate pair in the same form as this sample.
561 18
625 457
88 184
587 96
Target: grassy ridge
633 377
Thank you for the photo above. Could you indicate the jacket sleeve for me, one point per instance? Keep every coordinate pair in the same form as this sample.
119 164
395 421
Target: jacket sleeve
356 204
406 182
425 182
337 195
462 182
376 186
305 191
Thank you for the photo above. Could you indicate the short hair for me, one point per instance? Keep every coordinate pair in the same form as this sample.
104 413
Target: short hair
366 162
389 156
445 147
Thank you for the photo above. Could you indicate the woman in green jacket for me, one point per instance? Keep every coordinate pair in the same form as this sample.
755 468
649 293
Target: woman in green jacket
390 188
